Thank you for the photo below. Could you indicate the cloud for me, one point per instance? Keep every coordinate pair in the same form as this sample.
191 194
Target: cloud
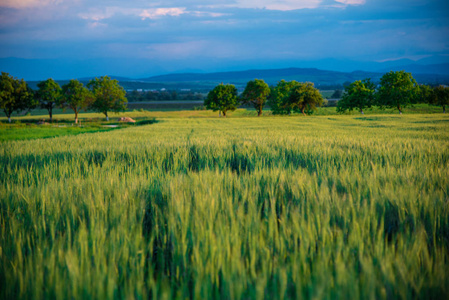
99 14
196 33
208 14
160 12
351 2
286 5
279 4
20 4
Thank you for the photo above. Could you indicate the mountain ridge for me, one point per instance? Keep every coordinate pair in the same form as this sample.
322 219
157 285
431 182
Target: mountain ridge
272 76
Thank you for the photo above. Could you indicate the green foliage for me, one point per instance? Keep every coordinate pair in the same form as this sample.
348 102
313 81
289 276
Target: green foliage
260 208
425 94
397 89
222 98
108 95
440 96
294 96
359 94
256 93
76 97
48 95
305 97
278 99
15 95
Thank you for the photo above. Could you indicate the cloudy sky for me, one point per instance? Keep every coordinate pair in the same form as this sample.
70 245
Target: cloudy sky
137 38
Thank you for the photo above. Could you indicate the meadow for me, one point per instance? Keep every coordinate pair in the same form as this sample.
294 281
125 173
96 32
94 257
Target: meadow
195 206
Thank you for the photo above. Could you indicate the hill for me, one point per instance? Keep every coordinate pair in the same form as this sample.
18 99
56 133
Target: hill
272 76
321 78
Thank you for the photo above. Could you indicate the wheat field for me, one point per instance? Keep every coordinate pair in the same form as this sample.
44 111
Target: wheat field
322 207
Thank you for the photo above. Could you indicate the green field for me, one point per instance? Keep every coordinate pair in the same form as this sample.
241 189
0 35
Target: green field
195 206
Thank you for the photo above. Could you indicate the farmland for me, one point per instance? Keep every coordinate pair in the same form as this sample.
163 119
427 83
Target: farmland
195 206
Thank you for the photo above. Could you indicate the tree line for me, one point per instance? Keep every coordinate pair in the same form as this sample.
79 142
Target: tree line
397 89
102 95
286 97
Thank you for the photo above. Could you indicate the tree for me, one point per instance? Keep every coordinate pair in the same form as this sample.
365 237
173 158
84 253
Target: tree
397 89
441 96
256 93
48 94
15 95
108 95
278 100
425 94
222 98
305 96
76 97
359 94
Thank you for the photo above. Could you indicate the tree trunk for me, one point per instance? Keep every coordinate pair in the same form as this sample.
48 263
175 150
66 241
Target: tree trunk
361 111
8 113
76 117
224 114
302 110
50 112
107 117
219 113
259 112
400 110
444 109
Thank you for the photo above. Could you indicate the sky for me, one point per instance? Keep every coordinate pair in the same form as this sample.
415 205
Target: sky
142 38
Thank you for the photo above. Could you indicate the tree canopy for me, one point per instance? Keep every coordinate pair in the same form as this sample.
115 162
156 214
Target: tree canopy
441 97
76 97
108 95
278 99
397 89
359 94
222 98
256 93
305 96
48 95
425 94
15 95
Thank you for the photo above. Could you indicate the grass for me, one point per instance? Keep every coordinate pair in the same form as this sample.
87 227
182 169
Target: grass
27 132
143 112
332 206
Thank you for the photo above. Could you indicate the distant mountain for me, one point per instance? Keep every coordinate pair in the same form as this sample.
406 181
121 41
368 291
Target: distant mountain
119 78
272 76
325 72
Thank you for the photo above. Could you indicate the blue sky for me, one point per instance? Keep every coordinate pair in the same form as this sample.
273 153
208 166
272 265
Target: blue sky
137 38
